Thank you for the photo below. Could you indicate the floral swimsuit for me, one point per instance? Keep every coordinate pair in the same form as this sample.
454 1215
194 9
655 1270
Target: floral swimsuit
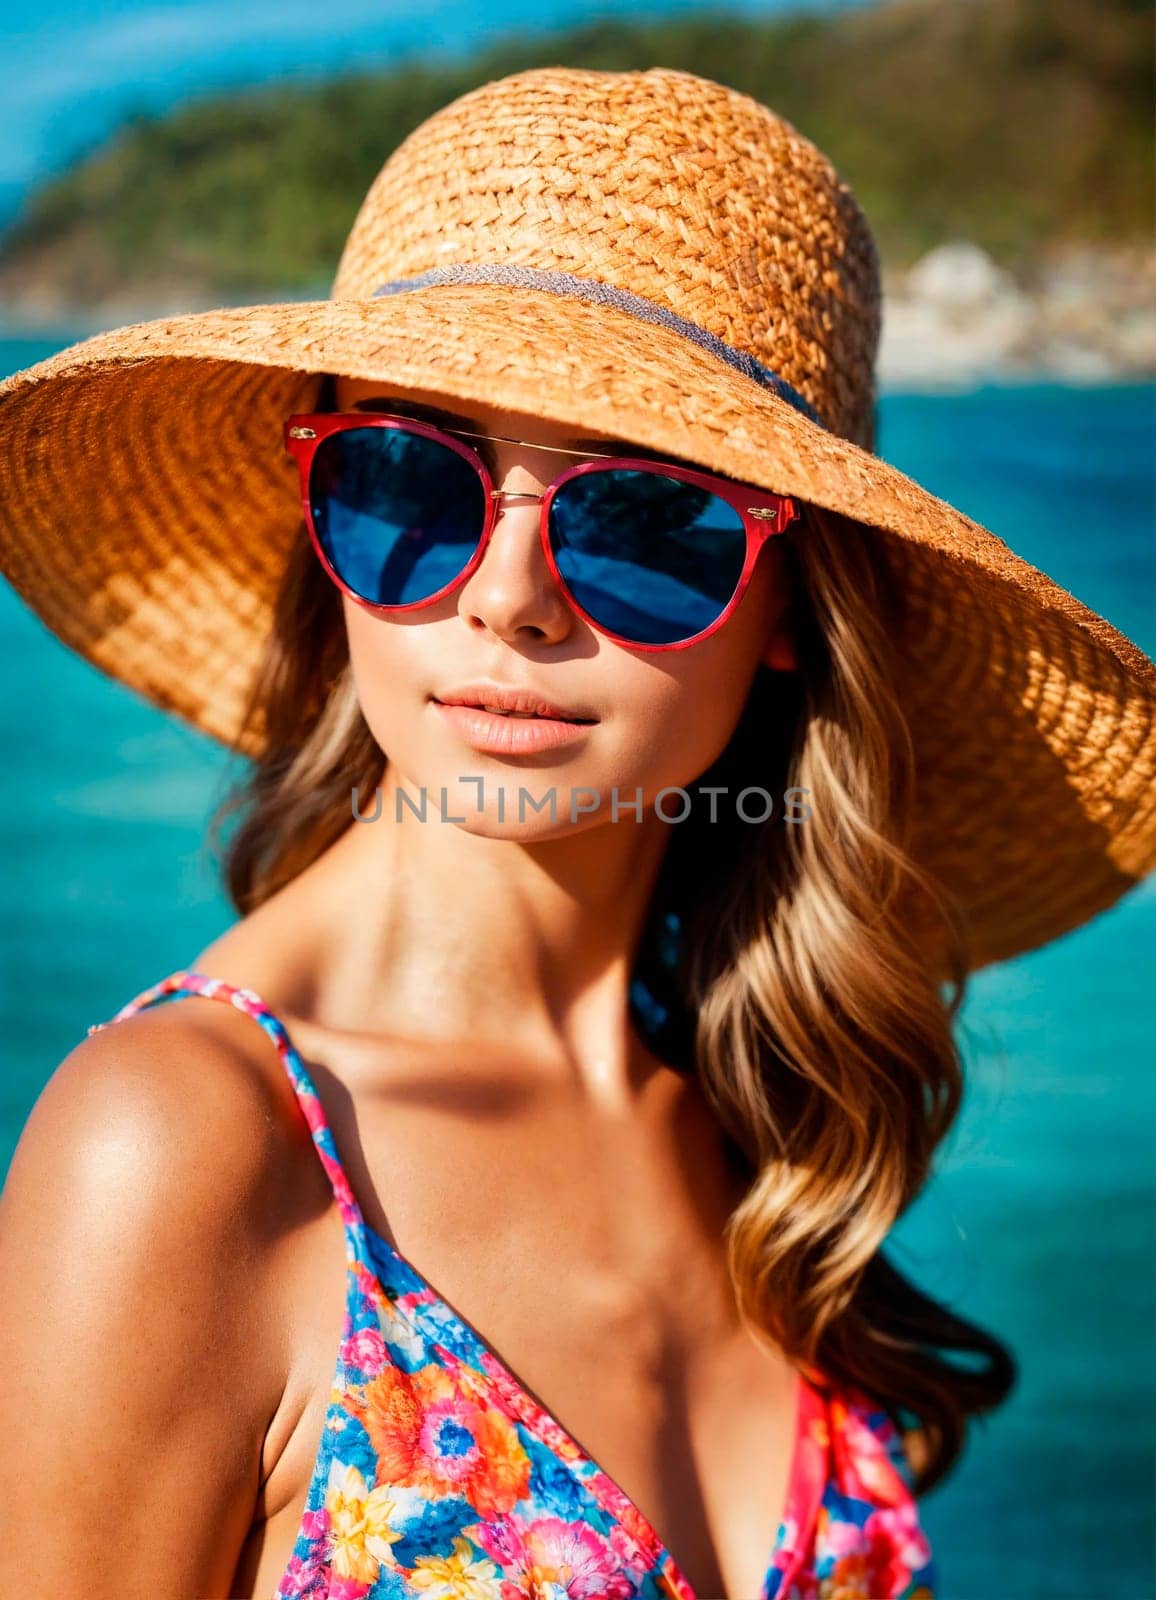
439 1476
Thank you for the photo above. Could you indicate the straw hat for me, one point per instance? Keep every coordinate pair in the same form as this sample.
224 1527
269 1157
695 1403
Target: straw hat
649 255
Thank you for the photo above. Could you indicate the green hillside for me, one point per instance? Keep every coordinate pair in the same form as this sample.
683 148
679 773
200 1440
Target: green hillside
1020 124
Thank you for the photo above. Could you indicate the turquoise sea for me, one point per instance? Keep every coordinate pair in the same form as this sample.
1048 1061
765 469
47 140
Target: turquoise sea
1041 1220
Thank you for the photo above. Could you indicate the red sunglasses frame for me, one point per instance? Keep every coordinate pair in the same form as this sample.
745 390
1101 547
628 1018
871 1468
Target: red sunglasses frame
763 512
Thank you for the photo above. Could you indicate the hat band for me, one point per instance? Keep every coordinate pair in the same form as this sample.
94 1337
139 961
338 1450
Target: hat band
606 294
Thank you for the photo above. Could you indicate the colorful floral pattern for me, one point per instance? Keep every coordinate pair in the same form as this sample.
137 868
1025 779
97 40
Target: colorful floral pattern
438 1475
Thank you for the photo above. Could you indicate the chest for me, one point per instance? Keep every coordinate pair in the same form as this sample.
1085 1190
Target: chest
591 1265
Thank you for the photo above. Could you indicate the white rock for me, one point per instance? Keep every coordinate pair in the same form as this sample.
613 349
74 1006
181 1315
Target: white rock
957 274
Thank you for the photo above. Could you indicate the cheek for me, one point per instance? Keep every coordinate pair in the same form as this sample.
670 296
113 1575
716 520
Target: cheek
684 726
385 674
672 713
691 715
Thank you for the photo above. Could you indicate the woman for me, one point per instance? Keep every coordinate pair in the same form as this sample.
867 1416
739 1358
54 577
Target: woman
609 1029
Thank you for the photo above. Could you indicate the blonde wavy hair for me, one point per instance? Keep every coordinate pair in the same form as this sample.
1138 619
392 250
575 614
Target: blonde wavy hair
777 964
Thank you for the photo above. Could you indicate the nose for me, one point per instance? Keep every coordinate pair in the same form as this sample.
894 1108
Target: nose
511 592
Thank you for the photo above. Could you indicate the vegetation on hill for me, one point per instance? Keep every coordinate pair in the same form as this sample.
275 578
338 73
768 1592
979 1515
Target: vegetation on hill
1024 125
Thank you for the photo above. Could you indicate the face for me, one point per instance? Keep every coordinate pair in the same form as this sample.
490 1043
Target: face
658 718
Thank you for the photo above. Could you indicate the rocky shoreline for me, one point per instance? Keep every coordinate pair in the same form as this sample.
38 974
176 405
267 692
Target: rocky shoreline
955 319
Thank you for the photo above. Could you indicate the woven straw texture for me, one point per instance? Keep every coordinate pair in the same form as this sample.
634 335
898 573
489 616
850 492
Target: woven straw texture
147 505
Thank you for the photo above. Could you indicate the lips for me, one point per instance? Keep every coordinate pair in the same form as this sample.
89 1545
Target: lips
499 712
517 704
505 733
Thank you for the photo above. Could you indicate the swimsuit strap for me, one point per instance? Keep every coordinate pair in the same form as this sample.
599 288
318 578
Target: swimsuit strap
179 984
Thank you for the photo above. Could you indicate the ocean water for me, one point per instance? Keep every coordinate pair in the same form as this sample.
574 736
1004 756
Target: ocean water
1041 1219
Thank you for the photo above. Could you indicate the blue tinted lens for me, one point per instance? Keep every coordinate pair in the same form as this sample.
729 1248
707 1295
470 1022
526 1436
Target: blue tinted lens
398 515
647 556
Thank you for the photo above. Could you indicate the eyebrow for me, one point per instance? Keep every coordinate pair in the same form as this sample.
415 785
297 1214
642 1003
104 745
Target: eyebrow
452 419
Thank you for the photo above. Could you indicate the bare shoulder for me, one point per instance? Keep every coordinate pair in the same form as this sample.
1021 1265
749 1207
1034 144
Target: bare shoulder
137 1231
171 1118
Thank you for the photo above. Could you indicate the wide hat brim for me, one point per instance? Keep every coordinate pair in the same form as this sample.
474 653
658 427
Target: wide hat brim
147 507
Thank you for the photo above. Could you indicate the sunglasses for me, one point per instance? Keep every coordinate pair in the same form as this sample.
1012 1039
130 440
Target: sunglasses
653 555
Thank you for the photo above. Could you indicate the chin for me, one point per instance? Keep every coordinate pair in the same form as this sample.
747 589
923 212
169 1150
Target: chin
517 805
